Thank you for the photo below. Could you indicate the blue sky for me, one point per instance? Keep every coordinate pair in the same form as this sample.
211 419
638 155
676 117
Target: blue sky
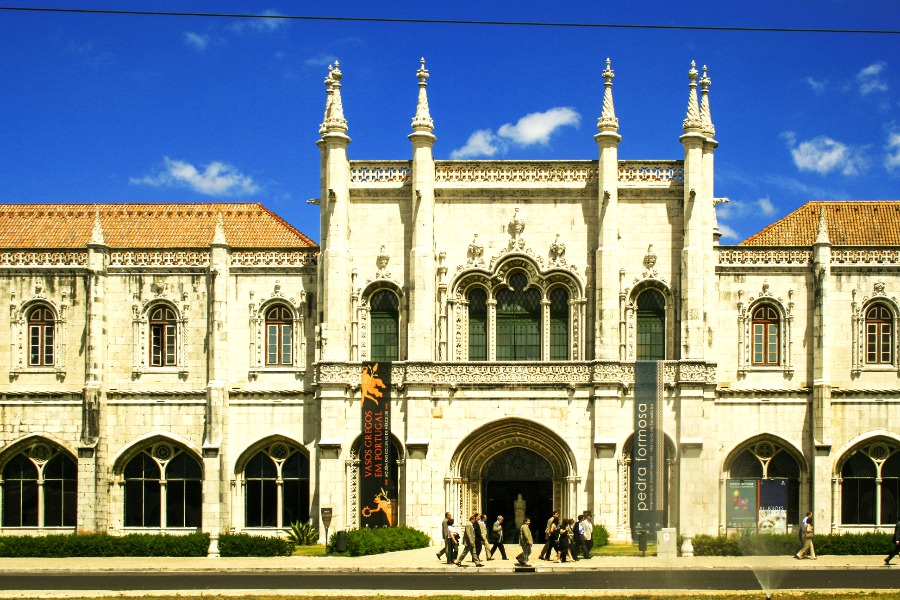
118 108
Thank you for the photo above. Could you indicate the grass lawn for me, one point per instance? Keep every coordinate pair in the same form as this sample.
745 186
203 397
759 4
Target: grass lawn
637 595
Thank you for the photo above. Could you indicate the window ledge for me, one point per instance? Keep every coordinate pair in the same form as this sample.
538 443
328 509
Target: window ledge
256 372
58 371
138 371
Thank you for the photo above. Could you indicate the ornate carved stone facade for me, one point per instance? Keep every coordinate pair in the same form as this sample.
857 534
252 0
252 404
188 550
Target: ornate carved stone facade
521 295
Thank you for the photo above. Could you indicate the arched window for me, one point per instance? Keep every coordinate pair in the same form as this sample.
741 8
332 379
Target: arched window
40 489
163 331
41 337
279 336
518 321
776 476
766 331
559 324
478 324
163 488
870 486
385 322
276 487
879 335
20 493
651 326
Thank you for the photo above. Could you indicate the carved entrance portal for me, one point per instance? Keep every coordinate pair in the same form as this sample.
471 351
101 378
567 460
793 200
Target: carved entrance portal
496 461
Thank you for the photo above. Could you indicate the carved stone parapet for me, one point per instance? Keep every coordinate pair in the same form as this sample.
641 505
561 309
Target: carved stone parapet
275 258
846 256
765 257
379 171
43 259
652 171
180 258
511 171
570 374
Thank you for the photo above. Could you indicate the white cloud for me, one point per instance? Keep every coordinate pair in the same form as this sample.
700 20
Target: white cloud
728 233
765 207
260 23
536 128
533 128
216 178
736 209
198 41
870 80
823 155
481 143
892 158
816 85
320 60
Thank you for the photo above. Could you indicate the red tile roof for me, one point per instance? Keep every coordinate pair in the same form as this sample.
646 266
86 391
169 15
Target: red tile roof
44 226
850 223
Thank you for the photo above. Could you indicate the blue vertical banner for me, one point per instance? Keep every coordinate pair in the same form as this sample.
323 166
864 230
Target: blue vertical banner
648 453
375 485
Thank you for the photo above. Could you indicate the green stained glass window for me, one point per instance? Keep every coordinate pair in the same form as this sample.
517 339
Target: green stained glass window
385 322
651 326
559 324
518 321
477 325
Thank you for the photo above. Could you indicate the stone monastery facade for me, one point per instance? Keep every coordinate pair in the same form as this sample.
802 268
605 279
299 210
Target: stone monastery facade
175 367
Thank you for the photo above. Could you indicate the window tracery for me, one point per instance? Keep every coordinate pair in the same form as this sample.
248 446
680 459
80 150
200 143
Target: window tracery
876 321
158 327
41 317
764 333
277 325
516 311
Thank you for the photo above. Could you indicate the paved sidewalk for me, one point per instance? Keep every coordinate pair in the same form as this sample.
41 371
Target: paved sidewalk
424 560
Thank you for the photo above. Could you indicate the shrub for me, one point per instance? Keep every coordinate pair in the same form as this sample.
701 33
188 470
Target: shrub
600 536
101 544
243 544
366 541
766 544
303 534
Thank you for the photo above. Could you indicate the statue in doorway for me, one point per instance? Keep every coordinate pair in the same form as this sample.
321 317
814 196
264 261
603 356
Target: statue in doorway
519 508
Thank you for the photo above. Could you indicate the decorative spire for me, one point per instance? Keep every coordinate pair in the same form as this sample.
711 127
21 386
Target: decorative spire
422 121
822 235
97 231
334 109
692 121
219 238
608 120
709 129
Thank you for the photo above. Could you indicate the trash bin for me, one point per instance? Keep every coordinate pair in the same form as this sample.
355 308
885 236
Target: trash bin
340 544
642 541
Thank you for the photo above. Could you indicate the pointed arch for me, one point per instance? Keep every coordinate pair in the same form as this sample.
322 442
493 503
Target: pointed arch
491 439
643 330
522 274
386 298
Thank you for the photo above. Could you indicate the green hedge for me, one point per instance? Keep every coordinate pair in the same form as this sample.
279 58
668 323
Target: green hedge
242 544
101 544
766 544
362 542
600 537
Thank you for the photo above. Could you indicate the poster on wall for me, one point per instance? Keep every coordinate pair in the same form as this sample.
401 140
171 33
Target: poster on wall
742 503
647 457
375 476
773 499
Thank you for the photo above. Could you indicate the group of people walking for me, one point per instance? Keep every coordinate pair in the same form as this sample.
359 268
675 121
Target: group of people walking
564 537
568 538
474 538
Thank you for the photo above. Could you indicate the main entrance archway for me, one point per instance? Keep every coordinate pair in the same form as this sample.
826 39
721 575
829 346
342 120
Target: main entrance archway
500 460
